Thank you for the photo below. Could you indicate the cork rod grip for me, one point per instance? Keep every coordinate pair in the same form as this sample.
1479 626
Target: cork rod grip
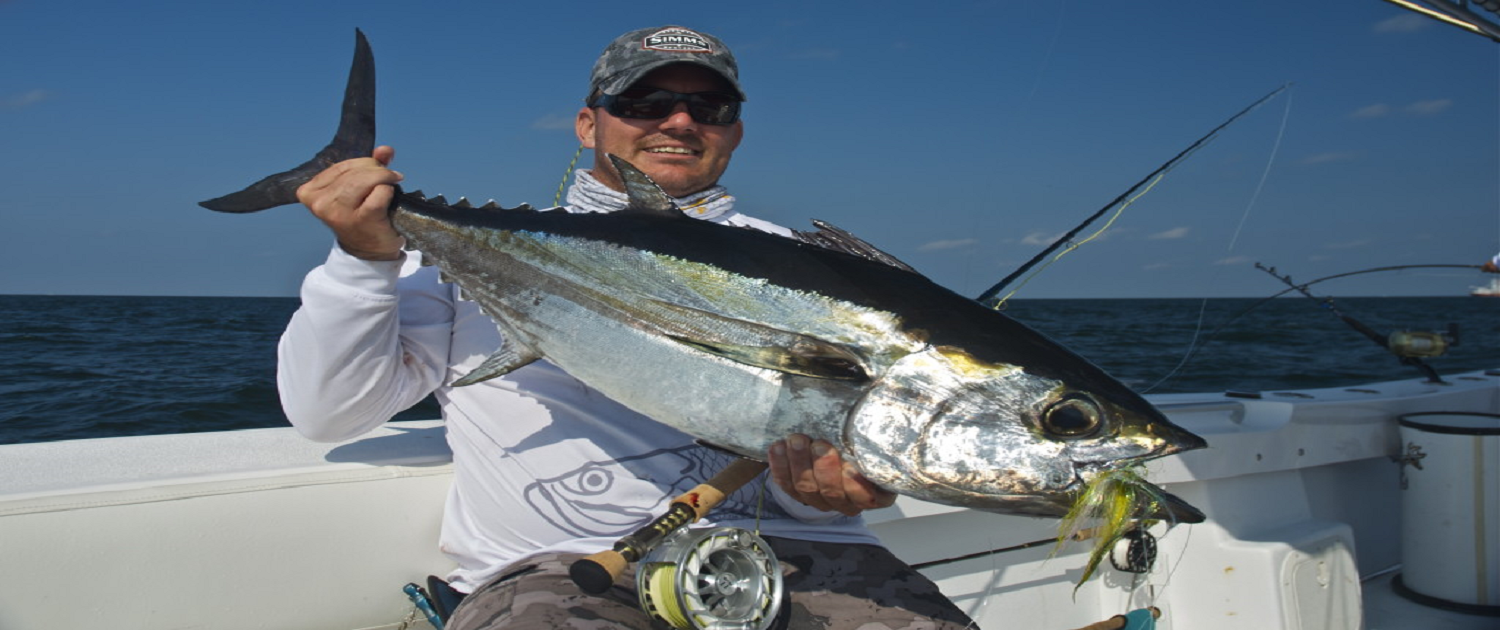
595 573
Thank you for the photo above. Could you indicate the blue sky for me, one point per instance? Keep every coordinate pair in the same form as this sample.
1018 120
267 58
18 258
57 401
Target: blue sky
959 136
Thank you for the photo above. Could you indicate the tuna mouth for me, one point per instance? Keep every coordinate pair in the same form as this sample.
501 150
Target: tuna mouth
1176 439
1171 441
1177 510
1183 440
1150 501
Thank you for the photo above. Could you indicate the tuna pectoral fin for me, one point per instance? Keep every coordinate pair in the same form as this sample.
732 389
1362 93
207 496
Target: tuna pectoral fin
355 138
755 344
509 357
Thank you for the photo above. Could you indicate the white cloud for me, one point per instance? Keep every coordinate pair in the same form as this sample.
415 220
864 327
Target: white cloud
1232 260
553 122
1041 238
1174 233
1420 108
1429 107
21 101
949 244
1404 23
1331 156
816 54
1349 244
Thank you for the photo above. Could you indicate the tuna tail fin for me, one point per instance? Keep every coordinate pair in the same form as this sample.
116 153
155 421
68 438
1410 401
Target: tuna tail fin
355 138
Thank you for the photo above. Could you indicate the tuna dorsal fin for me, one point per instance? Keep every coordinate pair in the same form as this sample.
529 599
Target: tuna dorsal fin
832 237
509 357
645 195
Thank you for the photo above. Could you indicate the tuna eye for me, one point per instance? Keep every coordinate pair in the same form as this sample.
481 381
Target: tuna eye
1072 417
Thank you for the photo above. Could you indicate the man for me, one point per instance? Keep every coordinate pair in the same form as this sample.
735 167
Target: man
545 468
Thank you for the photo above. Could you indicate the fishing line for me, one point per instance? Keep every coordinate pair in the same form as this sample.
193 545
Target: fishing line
1497 145
1166 581
988 297
557 200
1062 13
1024 110
1075 245
1220 328
1365 271
989 590
1234 240
1265 174
760 500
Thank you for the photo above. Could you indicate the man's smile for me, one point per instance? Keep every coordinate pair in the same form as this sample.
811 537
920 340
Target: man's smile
672 150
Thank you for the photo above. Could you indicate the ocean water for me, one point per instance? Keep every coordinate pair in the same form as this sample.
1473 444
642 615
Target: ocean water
82 367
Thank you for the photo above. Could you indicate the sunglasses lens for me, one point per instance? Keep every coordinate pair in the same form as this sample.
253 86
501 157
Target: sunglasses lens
712 108
709 108
645 103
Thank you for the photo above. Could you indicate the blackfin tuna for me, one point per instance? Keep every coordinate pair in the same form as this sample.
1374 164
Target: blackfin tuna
741 337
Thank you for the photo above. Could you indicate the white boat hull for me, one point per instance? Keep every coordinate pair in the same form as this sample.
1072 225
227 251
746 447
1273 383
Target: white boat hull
262 529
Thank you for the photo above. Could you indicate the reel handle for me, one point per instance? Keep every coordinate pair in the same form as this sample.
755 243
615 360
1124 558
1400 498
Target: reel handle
595 573
1120 622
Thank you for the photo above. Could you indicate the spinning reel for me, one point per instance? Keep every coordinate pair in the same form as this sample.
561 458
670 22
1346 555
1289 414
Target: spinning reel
721 578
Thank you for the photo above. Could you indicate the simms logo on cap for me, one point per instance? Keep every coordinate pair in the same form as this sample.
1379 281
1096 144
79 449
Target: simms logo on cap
677 40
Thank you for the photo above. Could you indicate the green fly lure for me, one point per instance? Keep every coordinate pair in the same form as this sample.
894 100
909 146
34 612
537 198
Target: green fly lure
1111 504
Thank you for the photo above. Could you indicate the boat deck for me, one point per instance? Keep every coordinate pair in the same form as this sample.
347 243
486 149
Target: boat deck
1385 609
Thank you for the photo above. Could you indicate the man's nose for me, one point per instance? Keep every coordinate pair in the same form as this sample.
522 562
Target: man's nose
679 118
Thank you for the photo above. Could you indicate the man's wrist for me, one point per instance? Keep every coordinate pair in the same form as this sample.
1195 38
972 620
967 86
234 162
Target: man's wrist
369 254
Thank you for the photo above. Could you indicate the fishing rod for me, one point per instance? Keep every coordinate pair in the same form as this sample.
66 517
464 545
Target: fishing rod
1137 558
988 298
1456 13
1408 346
1246 311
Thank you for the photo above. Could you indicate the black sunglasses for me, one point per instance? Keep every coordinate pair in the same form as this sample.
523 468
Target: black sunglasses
651 103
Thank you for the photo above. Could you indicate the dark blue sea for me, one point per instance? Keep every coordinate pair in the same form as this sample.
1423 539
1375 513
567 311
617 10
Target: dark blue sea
84 367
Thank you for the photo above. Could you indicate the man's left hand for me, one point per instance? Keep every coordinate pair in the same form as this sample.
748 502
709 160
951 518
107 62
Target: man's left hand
813 472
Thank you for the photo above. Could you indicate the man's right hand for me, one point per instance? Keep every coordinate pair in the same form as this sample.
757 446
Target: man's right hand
351 198
815 473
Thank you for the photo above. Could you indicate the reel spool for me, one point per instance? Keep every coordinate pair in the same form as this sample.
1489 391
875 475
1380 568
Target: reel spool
1134 552
720 578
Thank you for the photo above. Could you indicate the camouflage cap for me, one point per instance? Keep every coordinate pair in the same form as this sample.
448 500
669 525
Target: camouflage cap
635 54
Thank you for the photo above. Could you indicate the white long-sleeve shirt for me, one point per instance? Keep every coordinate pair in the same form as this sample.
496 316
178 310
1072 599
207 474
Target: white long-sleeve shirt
542 462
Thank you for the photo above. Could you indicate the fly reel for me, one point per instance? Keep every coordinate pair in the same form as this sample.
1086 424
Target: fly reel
720 578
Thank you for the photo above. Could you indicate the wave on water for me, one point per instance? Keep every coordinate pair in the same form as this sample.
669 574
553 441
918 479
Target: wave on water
74 367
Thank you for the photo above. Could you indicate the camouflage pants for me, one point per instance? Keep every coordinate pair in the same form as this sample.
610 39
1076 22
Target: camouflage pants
828 587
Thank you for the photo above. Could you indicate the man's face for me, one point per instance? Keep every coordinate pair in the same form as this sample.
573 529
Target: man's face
682 155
